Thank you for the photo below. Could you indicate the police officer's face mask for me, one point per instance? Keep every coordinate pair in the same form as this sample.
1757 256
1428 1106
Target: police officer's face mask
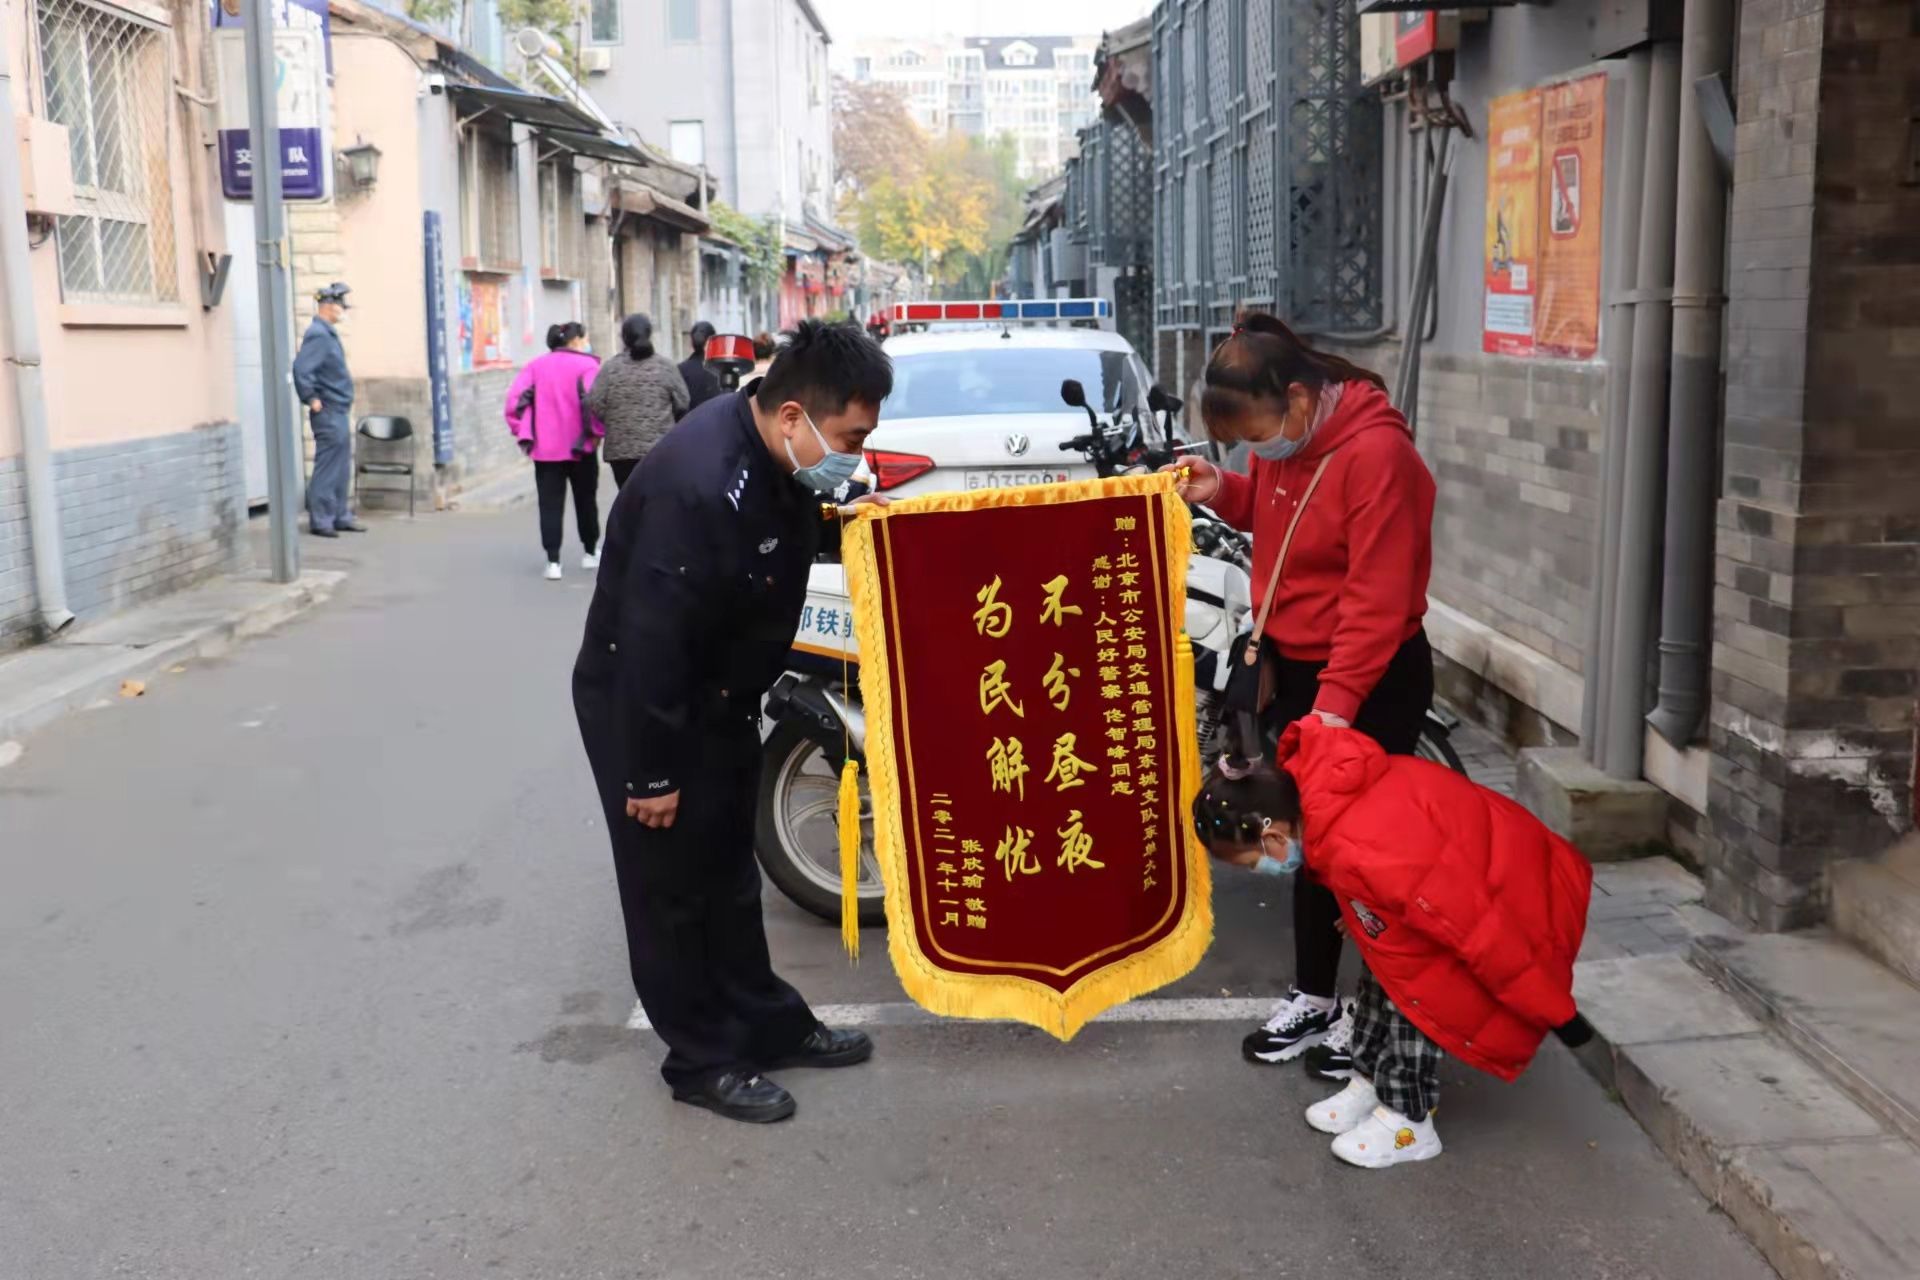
831 473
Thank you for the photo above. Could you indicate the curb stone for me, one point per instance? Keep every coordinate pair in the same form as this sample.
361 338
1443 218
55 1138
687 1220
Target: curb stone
85 682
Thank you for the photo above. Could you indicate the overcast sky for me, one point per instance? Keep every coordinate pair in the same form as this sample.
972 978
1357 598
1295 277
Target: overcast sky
851 20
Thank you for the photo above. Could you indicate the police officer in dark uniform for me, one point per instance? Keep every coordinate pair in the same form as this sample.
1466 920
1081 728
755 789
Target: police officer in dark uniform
701 583
326 388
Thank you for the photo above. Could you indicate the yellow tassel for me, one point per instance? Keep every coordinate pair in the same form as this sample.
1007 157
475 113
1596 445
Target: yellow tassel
850 857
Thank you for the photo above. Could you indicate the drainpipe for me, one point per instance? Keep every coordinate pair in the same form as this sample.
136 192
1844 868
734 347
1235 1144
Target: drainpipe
1699 280
1622 254
23 327
1646 445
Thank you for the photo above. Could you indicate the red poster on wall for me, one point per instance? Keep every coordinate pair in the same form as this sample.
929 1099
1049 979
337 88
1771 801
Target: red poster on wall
1513 218
1573 143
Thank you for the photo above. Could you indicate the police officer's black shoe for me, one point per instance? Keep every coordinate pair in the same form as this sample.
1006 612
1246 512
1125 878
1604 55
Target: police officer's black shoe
349 525
739 1095
827 1047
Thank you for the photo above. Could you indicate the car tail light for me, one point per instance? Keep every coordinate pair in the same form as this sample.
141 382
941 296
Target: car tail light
891 470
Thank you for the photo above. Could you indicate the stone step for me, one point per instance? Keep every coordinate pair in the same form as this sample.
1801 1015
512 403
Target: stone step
1876 906
1822 1186
1854 1020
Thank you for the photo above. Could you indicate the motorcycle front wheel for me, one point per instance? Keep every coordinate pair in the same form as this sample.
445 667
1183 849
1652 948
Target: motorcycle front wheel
797 828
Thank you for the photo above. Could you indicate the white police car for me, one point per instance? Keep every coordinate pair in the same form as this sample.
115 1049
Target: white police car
976 394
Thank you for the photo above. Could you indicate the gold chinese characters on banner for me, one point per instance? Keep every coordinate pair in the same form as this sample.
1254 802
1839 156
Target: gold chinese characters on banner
1031 745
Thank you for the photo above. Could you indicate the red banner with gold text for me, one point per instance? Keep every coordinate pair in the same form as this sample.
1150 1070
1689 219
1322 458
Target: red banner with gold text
1031 745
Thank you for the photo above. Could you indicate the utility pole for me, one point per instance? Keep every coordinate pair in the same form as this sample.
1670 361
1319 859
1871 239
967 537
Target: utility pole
276 324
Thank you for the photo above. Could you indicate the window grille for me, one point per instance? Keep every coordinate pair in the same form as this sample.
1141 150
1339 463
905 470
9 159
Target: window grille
107 77
490 231
562 220
1266 164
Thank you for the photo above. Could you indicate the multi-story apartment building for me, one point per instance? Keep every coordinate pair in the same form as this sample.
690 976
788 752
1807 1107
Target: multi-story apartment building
1036 90
739 86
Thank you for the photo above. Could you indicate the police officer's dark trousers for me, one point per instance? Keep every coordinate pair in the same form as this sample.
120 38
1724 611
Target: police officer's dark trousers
691 895
328 489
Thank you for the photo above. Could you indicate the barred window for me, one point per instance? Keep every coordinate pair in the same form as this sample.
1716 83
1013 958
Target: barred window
562 221
489 203
105 76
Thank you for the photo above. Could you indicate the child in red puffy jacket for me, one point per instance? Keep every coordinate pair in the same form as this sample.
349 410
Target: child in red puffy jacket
1467 911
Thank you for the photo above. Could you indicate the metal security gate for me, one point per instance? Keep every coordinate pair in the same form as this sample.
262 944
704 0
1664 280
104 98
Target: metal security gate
1266 166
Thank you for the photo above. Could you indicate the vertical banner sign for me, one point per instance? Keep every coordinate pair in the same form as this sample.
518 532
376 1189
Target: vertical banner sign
301 58
1031 745
1513 194
1573 147
439 386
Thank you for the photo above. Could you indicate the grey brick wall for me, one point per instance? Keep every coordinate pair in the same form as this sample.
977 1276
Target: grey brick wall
481 442
1514 446
137 519
16 563
1817 603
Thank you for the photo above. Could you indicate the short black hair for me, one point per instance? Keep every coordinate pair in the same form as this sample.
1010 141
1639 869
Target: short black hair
824 366
1238 798
700 332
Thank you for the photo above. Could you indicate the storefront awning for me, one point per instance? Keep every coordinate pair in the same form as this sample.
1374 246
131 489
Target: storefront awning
534 109
648 203
599 146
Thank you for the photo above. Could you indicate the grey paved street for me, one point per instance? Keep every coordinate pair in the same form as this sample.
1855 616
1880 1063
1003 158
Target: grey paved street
310 966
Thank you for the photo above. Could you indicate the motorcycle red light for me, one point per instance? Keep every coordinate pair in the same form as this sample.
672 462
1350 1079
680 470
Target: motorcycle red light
891 470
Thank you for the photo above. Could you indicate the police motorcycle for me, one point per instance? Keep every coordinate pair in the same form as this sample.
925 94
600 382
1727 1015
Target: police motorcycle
813 712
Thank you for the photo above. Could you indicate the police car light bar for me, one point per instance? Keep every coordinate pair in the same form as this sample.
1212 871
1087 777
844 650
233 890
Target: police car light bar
1052 309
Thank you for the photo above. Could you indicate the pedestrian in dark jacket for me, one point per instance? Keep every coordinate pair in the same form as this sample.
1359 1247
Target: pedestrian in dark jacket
325 386
547 413
1336 482
702 386
1468 912
638 397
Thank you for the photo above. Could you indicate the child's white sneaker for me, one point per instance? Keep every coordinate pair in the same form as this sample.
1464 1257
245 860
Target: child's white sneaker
1386 1137
1346 1109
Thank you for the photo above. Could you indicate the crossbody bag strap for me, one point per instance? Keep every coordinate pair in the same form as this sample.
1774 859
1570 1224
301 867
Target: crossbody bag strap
1252 652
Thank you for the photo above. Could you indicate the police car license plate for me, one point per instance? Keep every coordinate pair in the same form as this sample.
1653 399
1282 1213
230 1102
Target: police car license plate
1009 478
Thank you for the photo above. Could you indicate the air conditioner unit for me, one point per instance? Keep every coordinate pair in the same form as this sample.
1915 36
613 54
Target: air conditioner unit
46 166
596 60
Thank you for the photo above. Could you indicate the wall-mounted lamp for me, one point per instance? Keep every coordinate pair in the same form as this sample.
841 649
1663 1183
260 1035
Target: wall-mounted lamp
361 164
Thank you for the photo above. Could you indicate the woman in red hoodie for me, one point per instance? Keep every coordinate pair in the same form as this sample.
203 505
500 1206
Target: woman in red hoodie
1467 910
1340 506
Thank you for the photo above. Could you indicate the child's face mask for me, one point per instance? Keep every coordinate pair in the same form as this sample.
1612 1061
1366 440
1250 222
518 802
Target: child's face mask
1293 856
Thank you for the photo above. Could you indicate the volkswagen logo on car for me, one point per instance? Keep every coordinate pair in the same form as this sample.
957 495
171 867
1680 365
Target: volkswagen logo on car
1017 445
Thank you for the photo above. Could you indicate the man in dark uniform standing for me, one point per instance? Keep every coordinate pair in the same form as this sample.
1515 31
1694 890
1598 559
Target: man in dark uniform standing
326 388
702 578
702 386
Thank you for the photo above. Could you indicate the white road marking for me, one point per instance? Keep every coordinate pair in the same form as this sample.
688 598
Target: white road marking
901 1013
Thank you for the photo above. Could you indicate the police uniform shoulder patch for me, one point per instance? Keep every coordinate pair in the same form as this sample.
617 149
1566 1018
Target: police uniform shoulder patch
739 489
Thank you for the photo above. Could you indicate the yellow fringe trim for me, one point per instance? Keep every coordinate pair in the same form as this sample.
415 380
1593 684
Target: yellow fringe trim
964 995
850 857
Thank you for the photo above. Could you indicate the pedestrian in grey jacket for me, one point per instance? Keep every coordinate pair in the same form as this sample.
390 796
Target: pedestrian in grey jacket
638 395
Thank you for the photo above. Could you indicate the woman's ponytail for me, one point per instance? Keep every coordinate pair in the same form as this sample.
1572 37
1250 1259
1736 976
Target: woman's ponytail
636 335
1292 349
1259 361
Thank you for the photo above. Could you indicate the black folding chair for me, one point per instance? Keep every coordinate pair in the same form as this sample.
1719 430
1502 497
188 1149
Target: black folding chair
385 429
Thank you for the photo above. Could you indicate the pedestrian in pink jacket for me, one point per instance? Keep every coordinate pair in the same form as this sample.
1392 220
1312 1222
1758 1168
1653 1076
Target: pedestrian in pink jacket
547 412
